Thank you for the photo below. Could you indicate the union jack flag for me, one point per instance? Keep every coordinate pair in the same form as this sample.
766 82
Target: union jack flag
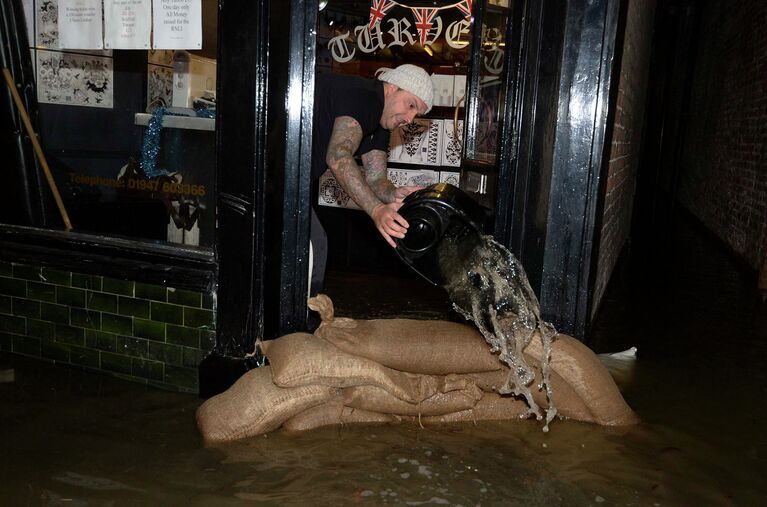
423 21
465 7
378 10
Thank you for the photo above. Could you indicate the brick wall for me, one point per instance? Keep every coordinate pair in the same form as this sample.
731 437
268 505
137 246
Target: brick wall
626 140
141 332
723 173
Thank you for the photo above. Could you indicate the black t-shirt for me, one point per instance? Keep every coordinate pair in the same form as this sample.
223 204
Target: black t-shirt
339 95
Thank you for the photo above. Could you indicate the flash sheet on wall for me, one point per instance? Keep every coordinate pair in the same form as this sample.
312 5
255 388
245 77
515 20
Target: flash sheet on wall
127 24
159 85
177 24
75 80
80 25
46 26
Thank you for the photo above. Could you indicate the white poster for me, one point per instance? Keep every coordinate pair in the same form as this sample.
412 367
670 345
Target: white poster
29 18
177 24
46 24
159 86
75 80
127 24
80 25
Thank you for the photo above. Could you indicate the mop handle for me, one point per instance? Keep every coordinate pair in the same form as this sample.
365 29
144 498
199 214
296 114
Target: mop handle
38 148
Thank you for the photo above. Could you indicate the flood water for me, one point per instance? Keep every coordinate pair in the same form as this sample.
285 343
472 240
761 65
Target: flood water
71 438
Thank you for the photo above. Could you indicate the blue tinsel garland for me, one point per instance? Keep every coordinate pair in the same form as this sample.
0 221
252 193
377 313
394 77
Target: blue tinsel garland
151 144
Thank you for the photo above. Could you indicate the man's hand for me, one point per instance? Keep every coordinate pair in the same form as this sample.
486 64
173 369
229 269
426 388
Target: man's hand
402 192
388 222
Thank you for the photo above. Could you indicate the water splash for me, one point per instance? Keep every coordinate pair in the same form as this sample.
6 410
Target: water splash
488 285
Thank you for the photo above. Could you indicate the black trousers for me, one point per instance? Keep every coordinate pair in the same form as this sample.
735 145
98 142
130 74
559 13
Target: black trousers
319 240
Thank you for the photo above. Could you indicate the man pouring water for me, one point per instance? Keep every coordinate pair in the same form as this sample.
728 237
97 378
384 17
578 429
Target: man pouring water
354 116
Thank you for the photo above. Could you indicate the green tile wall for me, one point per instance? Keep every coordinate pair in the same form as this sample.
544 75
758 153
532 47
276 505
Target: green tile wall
146 333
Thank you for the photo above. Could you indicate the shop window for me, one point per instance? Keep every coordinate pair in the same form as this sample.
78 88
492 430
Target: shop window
129 134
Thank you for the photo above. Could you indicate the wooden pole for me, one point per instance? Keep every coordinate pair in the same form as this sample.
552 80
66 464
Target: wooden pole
38 148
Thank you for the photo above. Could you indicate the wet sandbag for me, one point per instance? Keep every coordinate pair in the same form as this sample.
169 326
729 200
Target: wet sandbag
418 346
254 405
587 378
567 401
491 407
334 413
301 359
377 400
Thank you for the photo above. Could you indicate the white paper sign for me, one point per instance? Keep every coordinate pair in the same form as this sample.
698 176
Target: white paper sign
127 24
80 24
74 80
177 24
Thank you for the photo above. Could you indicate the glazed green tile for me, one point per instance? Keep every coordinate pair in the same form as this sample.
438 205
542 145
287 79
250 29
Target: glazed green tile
100 340
191 358
13 324
6 342
13 287
41 291
132 306
41 329
56 277
88 319
91 282
163 312
207 301
6 305
26 345
101 302
26 272
184 297
116 324
137 347
144 368
149 291
168 354
116 363
85 357
149 329
70 335
180 376
207 339
71 297
122 287
198 318
180 335
55 351
6 269
26 308
54 313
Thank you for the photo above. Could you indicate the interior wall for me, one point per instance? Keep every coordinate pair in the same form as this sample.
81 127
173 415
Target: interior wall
723 169
626 140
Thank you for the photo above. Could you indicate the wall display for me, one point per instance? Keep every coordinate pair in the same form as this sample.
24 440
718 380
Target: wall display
452 144
413 177
29 18
127 24
331 194
72 79
162 57
443 89
47 24
159 85
450 177
80 24
177 24
419 142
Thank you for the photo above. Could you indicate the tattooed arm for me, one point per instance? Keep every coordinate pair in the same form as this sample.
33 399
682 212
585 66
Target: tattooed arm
374 163
344 141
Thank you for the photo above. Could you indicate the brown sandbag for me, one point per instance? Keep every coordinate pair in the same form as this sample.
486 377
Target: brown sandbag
375 399
254 405
491 407
418 346
301 359
334 413
588 379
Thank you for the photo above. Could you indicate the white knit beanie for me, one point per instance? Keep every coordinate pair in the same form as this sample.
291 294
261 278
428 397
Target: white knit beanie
410 78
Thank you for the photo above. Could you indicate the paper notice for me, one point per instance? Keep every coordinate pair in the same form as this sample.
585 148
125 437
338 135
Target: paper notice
80 24
177 24
127 24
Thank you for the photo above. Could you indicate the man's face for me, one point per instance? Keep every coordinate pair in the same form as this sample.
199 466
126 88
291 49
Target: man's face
400 107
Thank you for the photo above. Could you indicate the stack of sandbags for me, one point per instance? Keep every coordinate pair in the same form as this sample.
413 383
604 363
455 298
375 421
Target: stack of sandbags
388 371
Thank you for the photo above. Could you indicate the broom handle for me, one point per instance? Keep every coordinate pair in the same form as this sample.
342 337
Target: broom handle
38 148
